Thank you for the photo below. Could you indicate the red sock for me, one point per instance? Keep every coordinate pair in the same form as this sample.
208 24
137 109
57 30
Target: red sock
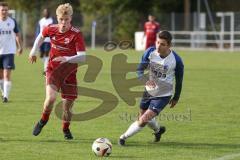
45 115
65 125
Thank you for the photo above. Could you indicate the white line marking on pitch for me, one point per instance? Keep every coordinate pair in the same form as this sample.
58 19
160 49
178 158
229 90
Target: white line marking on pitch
228 157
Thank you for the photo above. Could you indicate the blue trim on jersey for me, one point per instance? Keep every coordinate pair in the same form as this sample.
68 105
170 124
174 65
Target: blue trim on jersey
15 29
144 62
179 70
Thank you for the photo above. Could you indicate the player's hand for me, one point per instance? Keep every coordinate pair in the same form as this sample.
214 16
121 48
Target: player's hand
61 59
151 83
32 59
19 51
172 103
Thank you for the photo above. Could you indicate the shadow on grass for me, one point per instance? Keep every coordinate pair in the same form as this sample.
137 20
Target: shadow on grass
128 143
182 145
196 145
37 140
124 157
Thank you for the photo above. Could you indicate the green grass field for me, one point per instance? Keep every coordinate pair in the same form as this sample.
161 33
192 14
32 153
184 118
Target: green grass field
203 126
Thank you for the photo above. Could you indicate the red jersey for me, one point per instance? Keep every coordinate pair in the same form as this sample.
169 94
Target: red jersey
151 29
63 76
64 44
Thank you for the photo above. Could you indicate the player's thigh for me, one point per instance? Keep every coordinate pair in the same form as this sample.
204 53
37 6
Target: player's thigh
147 116
51 92
69 90
141 112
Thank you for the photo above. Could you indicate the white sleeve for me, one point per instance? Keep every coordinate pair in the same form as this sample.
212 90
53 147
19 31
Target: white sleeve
38 41
80 57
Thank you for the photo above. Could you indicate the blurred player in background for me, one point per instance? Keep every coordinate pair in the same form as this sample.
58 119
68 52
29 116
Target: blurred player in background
151 28
46 45
164 65
67 50
9 35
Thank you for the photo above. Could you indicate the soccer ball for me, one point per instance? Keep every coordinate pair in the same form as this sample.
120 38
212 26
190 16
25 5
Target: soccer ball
102 147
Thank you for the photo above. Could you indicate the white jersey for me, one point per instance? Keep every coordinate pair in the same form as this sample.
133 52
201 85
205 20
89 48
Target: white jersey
163 71
8 30
44 22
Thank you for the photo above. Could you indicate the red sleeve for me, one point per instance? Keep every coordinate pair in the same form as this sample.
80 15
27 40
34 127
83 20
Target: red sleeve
45 32
79 42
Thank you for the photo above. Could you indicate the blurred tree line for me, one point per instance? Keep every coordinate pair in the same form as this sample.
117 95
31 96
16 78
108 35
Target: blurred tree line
127 16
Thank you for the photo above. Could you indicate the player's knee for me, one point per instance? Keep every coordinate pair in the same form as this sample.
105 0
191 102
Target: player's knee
67 112
7 76
142 122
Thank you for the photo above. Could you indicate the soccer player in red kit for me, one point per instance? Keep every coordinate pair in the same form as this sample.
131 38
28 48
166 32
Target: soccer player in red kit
67 49
151 28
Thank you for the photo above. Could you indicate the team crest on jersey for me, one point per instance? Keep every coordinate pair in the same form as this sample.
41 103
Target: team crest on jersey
165 68
159 67
66 40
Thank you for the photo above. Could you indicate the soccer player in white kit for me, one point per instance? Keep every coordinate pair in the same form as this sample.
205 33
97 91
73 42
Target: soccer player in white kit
46 45
9 35
164 65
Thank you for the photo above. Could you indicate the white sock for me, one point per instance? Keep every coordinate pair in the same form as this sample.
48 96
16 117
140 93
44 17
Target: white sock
133 129
6 88
1 86
153 124
45 62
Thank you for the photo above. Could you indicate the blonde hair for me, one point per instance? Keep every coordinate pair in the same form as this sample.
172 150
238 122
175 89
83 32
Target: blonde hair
64 9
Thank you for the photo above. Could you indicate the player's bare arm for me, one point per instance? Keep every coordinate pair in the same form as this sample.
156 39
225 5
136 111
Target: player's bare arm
80 57
19 44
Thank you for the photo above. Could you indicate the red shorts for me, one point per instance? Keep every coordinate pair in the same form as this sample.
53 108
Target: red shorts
63 77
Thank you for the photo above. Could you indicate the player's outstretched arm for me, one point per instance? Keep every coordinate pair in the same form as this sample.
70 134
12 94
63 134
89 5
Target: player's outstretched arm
80 57
38 41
